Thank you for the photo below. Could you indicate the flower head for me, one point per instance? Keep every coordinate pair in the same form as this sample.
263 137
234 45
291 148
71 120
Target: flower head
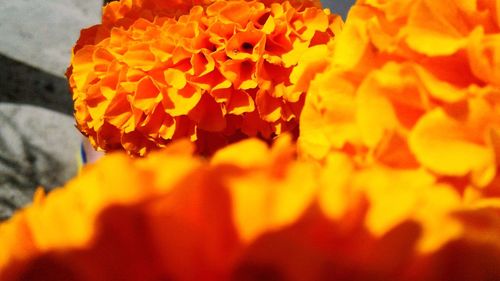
223 70
413 84
249 213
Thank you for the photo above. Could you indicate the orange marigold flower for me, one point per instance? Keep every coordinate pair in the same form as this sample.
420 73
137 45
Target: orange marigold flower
224 70
249 213
413 84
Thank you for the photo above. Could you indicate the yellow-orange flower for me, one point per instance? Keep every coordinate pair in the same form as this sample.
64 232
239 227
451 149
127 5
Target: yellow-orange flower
224 70
249 213
413 84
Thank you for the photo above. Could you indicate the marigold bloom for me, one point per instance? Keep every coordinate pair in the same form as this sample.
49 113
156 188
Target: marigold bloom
413 84
249 213
223 70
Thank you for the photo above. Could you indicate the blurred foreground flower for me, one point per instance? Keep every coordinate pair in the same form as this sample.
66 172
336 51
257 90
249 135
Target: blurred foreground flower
413 85
222 71
251 213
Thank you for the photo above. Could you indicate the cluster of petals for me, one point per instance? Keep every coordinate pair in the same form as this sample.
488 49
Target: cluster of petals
248 213
155 71
125 12
413 85
394 177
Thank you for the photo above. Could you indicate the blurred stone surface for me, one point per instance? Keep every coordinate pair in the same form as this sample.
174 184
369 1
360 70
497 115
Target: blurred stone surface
42 32
38 147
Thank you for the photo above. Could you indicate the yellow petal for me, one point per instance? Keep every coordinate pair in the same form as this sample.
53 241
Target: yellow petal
175 78
454 147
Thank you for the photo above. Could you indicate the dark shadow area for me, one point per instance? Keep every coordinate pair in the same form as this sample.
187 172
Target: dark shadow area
23 84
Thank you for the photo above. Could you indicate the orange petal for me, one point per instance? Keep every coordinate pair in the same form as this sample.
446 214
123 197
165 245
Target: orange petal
246 45
455 147
310 63
260 204
239 103
443 35
352 44
180 102
208 115
484 56
321 128
140 56
118 112
375 113
439 89
314 20
240 73
175 78
269 108
147 95
83 66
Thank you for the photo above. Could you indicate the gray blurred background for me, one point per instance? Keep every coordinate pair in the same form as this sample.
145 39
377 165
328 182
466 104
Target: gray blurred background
39 144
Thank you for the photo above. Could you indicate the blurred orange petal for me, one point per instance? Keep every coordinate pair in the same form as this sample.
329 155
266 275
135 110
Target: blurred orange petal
441 142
